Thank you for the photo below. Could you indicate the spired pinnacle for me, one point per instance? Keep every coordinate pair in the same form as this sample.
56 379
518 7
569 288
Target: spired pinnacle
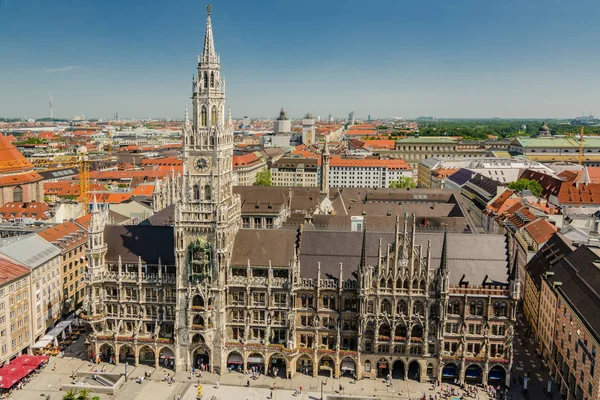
208 8
209 54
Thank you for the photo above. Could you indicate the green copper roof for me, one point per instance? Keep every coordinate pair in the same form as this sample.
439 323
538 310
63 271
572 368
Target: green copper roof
559 142
426 140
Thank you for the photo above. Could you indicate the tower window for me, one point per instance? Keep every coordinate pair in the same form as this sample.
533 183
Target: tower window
207 192
205 80
18 193
212 79
204 116
213 116
196 192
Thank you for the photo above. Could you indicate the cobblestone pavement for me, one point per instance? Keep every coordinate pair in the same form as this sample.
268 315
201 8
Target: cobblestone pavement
231 385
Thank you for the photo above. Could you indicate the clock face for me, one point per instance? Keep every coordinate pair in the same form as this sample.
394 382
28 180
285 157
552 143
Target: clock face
201 164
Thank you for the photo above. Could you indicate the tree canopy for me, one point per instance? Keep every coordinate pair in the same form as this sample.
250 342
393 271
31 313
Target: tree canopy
526 184
263 178
403 183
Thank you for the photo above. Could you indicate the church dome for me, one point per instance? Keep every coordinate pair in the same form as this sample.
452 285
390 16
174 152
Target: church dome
544 128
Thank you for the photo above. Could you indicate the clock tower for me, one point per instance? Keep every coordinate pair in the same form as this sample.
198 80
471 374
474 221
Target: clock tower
206 216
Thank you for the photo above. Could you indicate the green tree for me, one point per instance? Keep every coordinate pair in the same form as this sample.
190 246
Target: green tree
70 395
526 184
404 183
263 178
84 394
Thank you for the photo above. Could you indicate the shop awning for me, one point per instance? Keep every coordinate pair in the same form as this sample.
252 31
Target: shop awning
26 359
449 371
11 374
42 343
473 373
496 375
382 365
168 353
255 360
348 365
235 359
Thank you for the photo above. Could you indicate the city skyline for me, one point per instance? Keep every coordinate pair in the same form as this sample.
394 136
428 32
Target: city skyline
384 59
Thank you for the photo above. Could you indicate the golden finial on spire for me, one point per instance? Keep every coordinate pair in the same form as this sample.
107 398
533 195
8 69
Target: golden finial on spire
208 8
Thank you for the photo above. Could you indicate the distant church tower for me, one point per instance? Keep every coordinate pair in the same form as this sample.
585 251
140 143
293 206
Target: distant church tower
207 214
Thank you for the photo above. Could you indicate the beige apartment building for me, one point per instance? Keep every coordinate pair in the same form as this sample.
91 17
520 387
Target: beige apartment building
289 171
70 238
15 310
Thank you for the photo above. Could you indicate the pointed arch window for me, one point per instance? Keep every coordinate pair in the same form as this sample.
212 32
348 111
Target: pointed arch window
205 80
204 116
212 79
207 192
196 192
213 116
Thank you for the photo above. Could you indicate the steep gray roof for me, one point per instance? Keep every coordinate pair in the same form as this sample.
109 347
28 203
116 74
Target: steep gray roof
29 250
259 246
151 243
473 257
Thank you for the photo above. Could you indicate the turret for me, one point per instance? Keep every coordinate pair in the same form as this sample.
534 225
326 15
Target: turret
325 157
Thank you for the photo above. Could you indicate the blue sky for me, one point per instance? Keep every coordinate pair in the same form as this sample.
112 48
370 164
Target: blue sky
446 58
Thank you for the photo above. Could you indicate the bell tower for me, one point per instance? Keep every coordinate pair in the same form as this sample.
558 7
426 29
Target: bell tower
207 214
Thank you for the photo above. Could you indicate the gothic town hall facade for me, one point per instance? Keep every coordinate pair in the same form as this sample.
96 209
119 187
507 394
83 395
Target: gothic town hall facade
205 290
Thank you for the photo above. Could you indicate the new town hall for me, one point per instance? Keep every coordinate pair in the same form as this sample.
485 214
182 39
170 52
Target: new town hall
319 281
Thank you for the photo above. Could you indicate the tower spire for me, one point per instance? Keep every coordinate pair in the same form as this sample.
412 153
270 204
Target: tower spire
208 54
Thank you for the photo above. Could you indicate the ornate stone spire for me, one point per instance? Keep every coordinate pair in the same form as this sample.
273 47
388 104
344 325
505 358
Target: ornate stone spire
208 54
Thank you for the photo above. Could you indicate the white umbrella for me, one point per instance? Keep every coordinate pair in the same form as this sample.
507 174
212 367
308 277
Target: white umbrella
63 335
70 328
55 342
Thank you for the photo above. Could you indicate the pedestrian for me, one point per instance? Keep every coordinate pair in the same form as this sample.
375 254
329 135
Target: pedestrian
271 394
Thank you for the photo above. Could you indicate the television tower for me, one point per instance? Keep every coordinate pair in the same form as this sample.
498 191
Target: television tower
51 114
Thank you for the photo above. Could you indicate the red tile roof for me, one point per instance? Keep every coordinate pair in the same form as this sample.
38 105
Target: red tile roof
20 179
68 188
579 194
572 176
67 235
497 204
11 160
540 230
18 209
336 161
170 161
380 144
593 174
143 190
10 270
245 160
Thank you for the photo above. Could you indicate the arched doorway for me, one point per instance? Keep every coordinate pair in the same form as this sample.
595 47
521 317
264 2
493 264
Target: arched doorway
383 368
147 356
166 357
326 366
497 376
256 362
126 354
414 371
277 366
348 367
235 362
473 374
449 373
398 371
304 365
107 353
201 359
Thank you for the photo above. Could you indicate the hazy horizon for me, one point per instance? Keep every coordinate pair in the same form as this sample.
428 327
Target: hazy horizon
463 59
